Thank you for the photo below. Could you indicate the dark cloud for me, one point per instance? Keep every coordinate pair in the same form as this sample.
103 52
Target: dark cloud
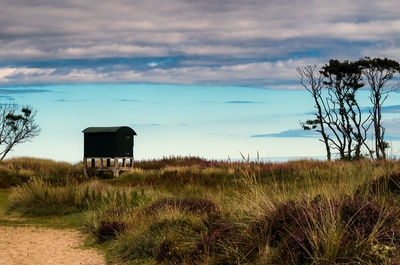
391 109
253 43
392 130
384 109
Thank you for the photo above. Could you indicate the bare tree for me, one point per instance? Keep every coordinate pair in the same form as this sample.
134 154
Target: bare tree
17 125
379 72
312 80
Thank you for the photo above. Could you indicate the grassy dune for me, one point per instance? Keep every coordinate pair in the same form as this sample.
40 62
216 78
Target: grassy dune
193 211
16 171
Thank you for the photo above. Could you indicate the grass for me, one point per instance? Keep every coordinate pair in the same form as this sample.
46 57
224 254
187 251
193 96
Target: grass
16 171
192 211
3 200
74 221
38 197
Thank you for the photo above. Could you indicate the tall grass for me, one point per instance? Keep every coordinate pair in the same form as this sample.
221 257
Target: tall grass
40 197
178 211
16 171
312 219
178 176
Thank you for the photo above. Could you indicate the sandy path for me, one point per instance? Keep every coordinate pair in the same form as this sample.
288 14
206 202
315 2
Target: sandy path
44 246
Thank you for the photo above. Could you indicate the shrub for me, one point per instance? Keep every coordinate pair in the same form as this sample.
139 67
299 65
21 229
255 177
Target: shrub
9 177
108 231
365 218
283 228
169 240
213 242
193 205
386 184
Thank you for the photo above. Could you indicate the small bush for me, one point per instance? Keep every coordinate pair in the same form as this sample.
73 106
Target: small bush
9 177
365 218
168 251
188 204
283 228
386 184
108 231
360 218
169 240
212 243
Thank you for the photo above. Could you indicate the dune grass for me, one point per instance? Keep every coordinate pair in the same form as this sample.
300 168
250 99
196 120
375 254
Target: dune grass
38 196
16 171
3 200
177 211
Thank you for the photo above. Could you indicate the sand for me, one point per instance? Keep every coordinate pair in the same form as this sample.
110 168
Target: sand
44 246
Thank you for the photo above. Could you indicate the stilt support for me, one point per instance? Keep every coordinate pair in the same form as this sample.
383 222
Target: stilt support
116 167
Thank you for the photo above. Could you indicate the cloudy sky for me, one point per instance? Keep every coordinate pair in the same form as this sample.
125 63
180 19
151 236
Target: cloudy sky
208 78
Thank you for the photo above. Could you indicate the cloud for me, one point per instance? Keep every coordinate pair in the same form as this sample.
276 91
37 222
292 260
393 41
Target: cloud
22 91
152 64
258 74
392 126
252 43
16 73
392 130
62 100
289 133
391 109
242 102
128 100
384 109
7 98
147 124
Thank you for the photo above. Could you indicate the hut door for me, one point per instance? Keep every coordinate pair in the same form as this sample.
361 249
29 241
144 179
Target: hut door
128 145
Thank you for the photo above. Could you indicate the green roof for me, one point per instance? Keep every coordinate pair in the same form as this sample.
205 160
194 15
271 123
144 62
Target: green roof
106 129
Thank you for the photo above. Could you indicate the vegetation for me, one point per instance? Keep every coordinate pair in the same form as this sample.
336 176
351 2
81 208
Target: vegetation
17 125
338 116
216 212
379 73
16 171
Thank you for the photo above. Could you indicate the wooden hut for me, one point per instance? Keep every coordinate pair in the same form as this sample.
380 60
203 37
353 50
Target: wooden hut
109 144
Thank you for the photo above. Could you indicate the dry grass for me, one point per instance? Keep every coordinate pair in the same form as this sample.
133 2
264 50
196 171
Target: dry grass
175 211
16 171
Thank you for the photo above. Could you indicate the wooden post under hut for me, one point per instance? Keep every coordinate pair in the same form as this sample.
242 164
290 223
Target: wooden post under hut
108 143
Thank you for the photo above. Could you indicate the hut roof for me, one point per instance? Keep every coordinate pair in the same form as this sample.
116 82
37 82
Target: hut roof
106 129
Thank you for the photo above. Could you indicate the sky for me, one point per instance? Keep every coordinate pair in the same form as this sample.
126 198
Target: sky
206 78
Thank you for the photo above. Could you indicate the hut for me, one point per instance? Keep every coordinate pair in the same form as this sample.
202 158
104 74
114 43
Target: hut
109 144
